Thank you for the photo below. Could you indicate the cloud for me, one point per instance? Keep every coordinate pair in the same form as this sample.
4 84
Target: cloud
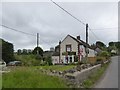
53 24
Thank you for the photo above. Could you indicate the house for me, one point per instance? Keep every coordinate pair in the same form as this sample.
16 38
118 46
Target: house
71 50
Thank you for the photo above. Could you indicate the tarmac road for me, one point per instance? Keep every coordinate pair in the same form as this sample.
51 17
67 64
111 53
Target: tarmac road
110 78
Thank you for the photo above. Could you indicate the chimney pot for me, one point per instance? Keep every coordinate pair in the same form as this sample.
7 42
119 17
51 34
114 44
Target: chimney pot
78 37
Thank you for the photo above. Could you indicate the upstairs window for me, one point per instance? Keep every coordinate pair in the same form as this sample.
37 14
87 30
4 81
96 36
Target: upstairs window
68 48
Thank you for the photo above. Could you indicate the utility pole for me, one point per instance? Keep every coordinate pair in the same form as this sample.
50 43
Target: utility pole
87 42
37 39
59 51
37 43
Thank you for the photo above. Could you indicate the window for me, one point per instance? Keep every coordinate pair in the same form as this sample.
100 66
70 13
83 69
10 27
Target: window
68 48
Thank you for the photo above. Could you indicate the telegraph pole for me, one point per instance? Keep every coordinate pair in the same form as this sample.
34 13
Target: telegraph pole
87 42
37 43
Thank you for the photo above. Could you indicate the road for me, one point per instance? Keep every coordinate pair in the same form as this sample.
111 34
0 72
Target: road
110 78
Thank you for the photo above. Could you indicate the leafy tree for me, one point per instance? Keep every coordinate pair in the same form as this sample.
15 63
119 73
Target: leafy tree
101 45
7 51
19 51
38 50
93 46
111 43
48 60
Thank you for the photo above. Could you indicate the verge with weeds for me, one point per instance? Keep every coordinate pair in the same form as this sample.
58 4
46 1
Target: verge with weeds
92 79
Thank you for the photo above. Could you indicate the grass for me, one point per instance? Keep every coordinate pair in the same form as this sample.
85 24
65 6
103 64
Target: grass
56 67
88 83
26 77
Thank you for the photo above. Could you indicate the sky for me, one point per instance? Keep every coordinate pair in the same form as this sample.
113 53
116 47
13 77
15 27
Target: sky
53 24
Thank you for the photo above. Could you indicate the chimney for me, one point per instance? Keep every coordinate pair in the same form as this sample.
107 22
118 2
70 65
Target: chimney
78 37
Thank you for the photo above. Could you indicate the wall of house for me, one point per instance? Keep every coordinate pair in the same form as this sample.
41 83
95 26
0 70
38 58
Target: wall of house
55 59
91 53
68 40
83 53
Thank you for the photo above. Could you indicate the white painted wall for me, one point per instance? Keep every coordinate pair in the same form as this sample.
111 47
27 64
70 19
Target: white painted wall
68 40
55 59
91 53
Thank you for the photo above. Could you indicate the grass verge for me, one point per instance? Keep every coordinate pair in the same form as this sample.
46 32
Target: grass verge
88 83
28 78
55 67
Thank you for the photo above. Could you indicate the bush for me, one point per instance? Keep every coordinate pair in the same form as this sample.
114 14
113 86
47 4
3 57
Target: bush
104 54
28 60
99 60
48 60
76 58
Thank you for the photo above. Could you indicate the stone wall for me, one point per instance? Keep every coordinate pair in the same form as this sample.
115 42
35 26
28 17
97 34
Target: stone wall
79 77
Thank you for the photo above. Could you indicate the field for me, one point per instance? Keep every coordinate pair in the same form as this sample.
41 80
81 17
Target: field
29 77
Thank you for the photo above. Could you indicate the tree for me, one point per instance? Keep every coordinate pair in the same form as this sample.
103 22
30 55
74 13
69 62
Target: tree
93 46
101 45
48 60
111 43
7 51
19 51
24 51
38 50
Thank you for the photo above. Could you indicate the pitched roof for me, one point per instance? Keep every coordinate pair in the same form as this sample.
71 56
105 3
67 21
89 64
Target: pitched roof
80 41
56 54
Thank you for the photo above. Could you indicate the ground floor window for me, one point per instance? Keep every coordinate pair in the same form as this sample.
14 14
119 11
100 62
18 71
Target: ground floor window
69 59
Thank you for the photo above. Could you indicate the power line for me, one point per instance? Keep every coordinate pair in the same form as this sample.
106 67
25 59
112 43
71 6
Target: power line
69 13
106 28
74 18
17 30
93 33
22 32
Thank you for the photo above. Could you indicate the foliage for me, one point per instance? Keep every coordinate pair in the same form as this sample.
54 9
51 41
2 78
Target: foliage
48 60
24 51
38 50
27 77
104 54
55 67
7 51
19 51
111 44
28 60
100 44
88 83
76 58
114 46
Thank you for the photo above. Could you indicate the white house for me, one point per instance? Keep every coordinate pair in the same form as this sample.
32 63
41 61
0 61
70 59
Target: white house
71 48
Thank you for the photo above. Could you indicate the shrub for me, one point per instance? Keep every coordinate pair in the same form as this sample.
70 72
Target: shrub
99 60
48 60
104 54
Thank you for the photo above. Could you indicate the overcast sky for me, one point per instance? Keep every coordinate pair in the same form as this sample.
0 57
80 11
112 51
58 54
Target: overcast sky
53 24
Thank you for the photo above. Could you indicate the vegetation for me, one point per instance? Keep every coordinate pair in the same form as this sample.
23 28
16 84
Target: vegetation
28 60
38 50
48 60
7 51
25 77
101 45
55 67
88 83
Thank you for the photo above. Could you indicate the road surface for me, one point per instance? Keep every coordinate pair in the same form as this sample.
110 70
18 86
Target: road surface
110 78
